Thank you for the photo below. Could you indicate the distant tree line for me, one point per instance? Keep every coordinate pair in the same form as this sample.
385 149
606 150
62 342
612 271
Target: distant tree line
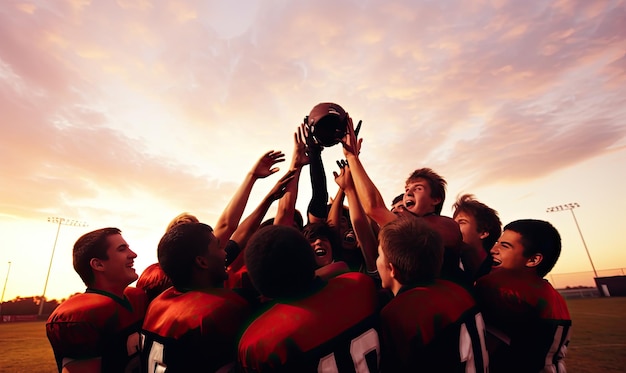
580 287
28 306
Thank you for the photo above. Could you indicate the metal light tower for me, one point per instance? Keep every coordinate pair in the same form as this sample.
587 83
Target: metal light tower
59 222
5 287
571 207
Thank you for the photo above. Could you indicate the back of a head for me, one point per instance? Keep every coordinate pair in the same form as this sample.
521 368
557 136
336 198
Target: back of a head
487 219
414 249
538 236
178 249
298 221
280 262
153 281
436 182
91 245
182 218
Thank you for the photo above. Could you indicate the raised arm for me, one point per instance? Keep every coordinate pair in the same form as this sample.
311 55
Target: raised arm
317 210
360 223
249 225
369 196
336 210
229 220
287 204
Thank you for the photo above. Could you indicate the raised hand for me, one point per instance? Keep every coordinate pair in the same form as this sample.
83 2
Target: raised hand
280 188
300 156
343 178
351 145
263 168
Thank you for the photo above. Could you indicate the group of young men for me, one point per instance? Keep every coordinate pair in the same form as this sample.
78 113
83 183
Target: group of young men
379 289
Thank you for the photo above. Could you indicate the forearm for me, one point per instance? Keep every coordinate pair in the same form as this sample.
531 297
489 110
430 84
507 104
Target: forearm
369 196
250 224
336 209
363 230
229 219
287 204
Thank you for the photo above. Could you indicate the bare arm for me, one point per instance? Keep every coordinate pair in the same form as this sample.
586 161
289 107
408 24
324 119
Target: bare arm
250 224
336 210
362 228
287 204
229 220
371 199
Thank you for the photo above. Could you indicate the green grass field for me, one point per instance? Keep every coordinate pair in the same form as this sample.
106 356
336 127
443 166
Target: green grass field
598 340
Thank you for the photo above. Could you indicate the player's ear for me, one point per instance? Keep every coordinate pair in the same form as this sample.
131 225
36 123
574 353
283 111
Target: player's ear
392 270
202 262
534 260
96 264
484 235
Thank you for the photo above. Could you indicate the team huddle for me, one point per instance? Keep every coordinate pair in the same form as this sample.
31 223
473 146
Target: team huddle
361 287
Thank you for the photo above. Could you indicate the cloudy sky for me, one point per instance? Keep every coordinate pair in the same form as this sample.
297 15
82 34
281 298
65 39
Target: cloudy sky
125 113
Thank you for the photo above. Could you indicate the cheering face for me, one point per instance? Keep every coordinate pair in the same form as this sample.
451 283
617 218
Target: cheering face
323 251
508 253
118 268
349 241
398 207
469 230
417 197
348 237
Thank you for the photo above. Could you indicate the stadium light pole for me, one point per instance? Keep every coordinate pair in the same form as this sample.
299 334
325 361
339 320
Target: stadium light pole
571 207
5 287
59 222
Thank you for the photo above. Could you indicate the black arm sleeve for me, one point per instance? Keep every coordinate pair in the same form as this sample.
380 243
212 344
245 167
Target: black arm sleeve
319 197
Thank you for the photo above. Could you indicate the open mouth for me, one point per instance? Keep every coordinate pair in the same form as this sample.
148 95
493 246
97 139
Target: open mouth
320 252
350 237
409 203
495 263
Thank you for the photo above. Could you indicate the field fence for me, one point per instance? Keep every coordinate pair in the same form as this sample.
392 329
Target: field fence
581 279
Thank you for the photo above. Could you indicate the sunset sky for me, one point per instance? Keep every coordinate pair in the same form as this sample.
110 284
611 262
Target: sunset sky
125 113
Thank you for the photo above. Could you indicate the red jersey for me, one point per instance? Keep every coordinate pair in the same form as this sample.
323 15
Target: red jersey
433 328
331 330
183 331
97 324
528 317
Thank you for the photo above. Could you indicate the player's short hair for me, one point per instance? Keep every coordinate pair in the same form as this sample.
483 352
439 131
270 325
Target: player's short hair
280 262
435 181
297 221
153 281
182 218
414 249
487 219
538 236
313 231
397 199
178 249
91 245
